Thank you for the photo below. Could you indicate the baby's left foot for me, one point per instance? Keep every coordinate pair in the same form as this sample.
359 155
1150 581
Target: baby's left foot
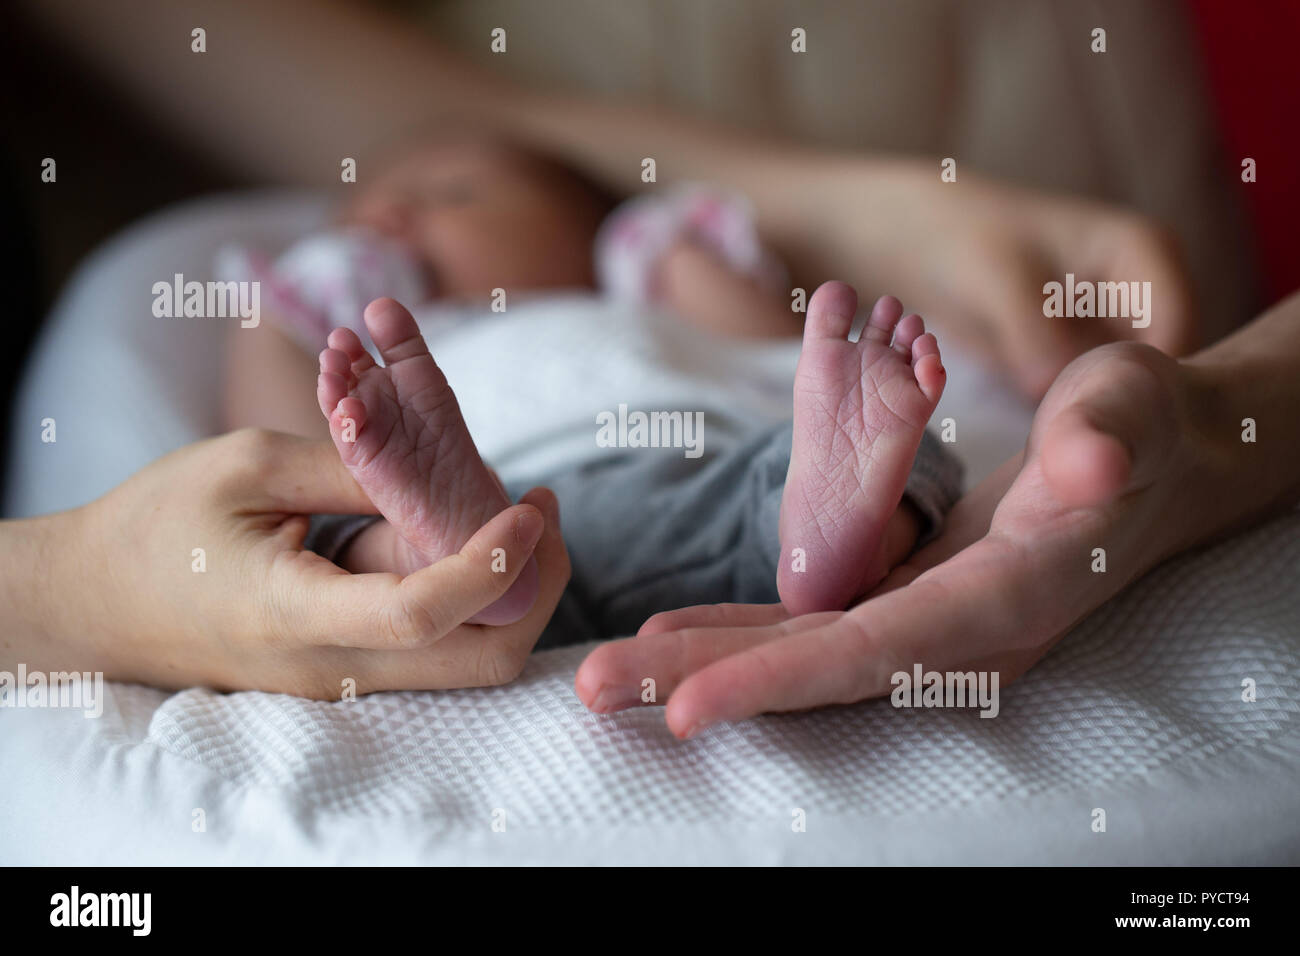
399 431
860 409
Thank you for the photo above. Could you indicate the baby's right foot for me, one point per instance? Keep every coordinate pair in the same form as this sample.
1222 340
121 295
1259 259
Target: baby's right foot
399 430
860 409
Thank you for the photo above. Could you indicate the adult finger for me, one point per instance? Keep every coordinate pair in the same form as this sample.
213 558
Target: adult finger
1010 665
1122 247
673 645
974 604
1146 253
714 615
439 598
473 655
284 473
1033 346
383 611
612 676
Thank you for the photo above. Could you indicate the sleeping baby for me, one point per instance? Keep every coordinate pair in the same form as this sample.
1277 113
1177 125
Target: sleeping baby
812 512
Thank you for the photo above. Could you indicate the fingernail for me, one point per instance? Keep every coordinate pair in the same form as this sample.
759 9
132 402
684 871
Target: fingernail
694 729
614 698
528 528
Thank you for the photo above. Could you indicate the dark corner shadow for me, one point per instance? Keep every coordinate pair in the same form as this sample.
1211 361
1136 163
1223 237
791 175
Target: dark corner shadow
54 106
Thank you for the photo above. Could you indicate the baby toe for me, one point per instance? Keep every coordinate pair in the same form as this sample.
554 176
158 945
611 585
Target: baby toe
346 424
830 312
331 388
394 331
337 362
908 330
927 365
884 317
349 343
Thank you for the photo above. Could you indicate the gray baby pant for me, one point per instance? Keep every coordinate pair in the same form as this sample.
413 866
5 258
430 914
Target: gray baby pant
649 530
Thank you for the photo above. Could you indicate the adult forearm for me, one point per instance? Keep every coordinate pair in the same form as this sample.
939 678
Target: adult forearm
285 90
1254 380
826 213
32 589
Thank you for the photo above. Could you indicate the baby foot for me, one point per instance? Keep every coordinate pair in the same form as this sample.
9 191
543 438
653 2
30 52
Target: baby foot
399 430
860 409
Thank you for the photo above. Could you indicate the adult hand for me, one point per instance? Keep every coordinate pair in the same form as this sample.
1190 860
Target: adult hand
968 251
973 257
994 249
1127 453
119 577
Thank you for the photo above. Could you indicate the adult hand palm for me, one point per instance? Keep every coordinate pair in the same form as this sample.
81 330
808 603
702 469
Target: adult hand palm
266 615
973 599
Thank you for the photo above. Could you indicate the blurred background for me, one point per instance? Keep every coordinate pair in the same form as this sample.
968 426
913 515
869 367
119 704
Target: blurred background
1160 122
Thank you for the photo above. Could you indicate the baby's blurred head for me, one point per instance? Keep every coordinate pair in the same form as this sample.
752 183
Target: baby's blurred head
482 214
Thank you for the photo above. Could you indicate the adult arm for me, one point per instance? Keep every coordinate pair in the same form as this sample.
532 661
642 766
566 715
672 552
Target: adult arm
975 598
287 89
191 572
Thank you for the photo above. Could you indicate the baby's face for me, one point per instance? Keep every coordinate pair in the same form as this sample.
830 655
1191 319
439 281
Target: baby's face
480 217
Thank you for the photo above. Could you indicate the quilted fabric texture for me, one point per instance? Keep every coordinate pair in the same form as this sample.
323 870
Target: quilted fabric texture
1139 713
1152 681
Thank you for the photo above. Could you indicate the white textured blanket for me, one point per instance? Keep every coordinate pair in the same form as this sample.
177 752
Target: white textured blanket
1140 713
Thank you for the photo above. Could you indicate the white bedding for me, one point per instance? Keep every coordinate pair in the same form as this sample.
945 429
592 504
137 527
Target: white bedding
1139 712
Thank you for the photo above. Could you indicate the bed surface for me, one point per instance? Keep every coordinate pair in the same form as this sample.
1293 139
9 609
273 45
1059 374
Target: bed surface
1139 713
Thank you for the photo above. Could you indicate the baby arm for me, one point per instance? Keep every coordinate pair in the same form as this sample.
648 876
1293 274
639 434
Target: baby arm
696 250
705 290
321 282
270 383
